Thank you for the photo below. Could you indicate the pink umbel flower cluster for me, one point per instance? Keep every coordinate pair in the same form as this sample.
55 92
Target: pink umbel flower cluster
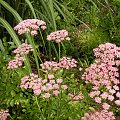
18 59
76 97
65 63
99 115
58 36
110 95
103 74
16 62
50 65
4 114
23 49
43 87
30 26
107 52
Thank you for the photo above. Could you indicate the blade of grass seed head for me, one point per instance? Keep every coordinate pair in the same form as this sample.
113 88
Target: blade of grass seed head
15 39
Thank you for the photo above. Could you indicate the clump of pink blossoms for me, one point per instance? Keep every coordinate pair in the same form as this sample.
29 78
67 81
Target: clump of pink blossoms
58 36
16 62
23 49
107 52
67 63
30 26
103 74
99 115
18 59
4 114
43 87
50 65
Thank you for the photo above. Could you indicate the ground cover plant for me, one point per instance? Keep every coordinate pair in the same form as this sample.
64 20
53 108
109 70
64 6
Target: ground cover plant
59 60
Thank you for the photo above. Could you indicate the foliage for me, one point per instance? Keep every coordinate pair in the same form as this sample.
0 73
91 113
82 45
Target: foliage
90 23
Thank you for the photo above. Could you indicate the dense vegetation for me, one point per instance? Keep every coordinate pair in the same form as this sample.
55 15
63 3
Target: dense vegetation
59 59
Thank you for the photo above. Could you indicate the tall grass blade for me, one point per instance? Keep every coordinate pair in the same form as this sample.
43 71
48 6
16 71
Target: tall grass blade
50 4
10 31
10 9
2 49
31 7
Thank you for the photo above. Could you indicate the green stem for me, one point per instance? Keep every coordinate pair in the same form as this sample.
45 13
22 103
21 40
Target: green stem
49 50
43 42
39 107
63 47
35 55
59 51
55 49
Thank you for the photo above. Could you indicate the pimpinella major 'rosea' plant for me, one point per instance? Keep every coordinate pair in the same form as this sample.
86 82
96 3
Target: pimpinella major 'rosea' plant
44 93
103 75
52 91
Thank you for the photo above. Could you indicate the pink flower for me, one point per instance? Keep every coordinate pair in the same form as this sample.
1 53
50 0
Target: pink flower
92 94
37 92
70 95
116 87
46 95
30 26
59 81
55 86
97 99
52 81
67 63
4 114
80 69
16 62
34 32
23 49
104 95
106 106
64 87
56 92
50 76
117 102
110 97
58 36
118 94
43 27
112 91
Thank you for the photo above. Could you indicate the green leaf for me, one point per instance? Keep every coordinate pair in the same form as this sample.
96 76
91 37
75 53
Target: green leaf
13 93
